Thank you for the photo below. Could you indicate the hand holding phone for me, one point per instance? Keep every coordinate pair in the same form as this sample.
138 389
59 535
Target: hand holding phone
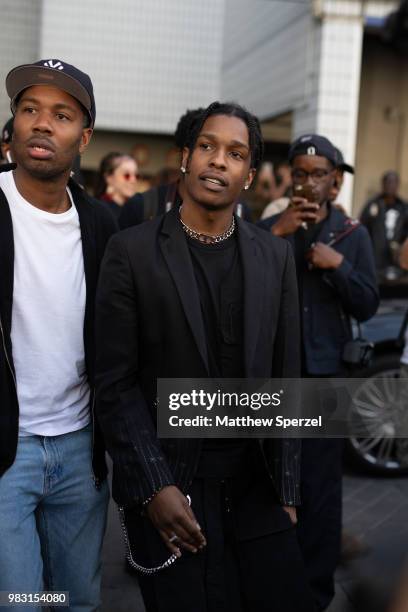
298 213
307 192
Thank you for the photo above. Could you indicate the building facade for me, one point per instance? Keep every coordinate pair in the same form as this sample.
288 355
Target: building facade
304 66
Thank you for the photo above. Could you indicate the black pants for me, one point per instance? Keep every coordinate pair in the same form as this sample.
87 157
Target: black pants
233 573
320 515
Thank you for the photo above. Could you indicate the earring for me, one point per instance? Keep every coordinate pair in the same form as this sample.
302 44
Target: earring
246 187
183 170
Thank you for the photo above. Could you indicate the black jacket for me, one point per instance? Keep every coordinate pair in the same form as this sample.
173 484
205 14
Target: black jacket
149 325
328 298
97 225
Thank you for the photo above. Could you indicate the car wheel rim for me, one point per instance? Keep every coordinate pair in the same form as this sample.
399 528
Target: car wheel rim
379 410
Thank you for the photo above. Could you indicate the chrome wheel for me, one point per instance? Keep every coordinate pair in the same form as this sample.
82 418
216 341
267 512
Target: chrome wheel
379 414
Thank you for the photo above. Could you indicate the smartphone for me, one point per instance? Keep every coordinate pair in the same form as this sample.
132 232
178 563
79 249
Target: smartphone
305 191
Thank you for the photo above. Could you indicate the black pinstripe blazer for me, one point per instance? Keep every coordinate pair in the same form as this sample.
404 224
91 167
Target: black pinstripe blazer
149 325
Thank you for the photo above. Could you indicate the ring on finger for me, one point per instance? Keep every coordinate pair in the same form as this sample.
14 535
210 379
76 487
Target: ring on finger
173 538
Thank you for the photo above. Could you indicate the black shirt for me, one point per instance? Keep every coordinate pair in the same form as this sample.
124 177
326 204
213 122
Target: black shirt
218 273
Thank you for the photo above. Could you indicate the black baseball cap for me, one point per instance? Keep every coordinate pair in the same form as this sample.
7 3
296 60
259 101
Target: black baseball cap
7 131
313 144
52 72
341 164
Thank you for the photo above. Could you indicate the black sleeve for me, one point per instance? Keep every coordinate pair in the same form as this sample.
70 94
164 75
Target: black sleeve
356 284
284 454
125 419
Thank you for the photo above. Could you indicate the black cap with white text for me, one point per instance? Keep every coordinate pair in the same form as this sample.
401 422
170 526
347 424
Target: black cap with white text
53 72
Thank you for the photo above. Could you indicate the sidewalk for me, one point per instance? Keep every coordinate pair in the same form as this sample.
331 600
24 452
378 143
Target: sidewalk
376 509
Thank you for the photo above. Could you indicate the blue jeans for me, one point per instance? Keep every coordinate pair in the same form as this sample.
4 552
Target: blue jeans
52 520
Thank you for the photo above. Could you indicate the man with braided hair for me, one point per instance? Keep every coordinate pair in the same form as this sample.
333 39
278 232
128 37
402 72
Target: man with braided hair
160 199
171 305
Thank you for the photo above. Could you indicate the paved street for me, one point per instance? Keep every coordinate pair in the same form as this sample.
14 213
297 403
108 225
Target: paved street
376 509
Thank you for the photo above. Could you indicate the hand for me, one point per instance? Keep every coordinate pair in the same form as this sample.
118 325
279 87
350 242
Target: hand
291 510
172 516
324 257
298 211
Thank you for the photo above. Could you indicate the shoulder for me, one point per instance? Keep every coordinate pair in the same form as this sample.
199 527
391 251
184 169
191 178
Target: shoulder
356 234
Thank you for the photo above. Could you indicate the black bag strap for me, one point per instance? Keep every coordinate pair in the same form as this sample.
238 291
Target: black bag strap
350 226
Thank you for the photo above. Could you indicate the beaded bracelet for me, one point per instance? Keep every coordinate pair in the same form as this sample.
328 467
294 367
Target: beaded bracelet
149 499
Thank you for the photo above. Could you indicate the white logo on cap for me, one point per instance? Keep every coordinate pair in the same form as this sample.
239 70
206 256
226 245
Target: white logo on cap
311 151
56 65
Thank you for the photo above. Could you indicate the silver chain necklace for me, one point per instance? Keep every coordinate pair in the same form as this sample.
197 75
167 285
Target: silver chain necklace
205 238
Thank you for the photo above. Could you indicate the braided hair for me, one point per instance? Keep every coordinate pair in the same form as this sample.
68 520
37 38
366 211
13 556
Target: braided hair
231 109
185 124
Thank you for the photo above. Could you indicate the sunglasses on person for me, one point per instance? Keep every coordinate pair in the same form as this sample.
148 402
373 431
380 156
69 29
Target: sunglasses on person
128 176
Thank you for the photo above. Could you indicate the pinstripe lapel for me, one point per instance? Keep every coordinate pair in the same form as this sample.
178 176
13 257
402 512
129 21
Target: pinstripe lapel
254 279
176 254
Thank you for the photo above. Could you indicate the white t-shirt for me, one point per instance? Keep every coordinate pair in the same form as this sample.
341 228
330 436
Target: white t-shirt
47 331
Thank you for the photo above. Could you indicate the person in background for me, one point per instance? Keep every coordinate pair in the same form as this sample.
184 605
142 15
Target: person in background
116 181
279 192
336 279
281 203
386 219
341 168
6 136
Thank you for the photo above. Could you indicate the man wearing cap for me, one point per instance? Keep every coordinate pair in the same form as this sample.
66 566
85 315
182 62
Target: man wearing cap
336 278
52 472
